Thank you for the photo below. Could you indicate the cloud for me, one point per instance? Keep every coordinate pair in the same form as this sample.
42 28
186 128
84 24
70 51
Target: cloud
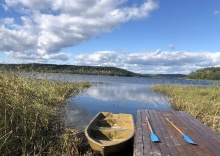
171 46
12 40
217 12
100 57
34 57
152 62
43 28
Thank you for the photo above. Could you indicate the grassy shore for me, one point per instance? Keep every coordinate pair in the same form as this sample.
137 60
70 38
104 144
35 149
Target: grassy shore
202 102
30 113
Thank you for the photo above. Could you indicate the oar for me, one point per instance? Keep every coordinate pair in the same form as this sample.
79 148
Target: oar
153 136
190 141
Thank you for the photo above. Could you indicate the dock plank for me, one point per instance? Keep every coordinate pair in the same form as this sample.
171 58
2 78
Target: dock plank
147 144
165 137
188 148
178 142
209 144
172 142
155 146
163 146
138 141
201 149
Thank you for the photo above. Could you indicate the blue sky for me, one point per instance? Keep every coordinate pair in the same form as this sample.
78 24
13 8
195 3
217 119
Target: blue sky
144 36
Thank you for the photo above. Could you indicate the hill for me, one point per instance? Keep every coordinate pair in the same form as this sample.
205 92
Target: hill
210 73
71 69
87 70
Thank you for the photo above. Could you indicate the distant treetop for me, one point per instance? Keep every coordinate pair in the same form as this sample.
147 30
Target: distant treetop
210 73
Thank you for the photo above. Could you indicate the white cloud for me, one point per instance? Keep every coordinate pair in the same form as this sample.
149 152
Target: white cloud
16 40
100 57
8 21
217 12
152 62
35 57
46 27
171 46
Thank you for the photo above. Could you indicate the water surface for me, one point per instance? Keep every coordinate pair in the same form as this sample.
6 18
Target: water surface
115 94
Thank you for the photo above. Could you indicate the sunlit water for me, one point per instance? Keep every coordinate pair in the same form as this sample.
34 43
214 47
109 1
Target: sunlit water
114 94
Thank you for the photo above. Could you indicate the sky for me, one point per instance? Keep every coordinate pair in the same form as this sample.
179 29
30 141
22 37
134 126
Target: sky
142 36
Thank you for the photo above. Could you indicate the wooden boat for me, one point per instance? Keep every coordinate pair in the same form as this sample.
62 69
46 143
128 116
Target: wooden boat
110 133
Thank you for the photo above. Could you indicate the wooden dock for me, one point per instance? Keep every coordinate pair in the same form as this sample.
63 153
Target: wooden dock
172 142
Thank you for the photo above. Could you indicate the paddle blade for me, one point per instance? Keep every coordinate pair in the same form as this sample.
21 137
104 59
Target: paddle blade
188 139
154 137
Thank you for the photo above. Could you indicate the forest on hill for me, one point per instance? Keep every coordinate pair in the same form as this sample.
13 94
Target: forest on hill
70 69
210 73
87 70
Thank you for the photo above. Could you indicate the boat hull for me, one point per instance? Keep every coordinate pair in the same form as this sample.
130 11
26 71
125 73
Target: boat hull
110 133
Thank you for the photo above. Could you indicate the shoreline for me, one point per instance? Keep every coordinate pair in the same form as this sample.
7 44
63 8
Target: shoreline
31 116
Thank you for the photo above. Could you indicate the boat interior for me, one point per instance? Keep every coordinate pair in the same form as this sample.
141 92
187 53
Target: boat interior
111 128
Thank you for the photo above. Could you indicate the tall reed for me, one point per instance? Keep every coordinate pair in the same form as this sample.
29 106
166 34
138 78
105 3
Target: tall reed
30 114
203 102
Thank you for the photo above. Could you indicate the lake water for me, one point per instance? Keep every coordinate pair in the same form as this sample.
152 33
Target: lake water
114 94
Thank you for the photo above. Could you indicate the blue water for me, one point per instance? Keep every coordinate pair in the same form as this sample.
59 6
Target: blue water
115 94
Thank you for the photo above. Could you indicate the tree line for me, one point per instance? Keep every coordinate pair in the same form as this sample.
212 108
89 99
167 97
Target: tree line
210 73
83 70
70 69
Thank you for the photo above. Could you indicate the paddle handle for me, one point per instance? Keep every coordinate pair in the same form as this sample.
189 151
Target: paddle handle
149 126
174 126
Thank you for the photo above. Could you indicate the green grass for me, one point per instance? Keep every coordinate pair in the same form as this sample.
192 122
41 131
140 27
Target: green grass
31 116
202 102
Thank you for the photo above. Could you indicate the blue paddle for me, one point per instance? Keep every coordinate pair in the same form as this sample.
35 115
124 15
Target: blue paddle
153 136
190 141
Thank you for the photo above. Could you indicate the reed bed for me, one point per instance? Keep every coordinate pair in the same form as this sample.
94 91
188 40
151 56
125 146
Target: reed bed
30 116
202 102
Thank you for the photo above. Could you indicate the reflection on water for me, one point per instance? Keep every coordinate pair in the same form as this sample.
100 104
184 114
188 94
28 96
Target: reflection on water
114 94
122 93
117 98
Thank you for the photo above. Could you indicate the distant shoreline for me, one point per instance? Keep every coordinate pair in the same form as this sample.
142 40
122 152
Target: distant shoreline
83 70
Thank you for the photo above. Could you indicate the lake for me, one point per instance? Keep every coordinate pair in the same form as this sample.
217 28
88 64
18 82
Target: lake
114 94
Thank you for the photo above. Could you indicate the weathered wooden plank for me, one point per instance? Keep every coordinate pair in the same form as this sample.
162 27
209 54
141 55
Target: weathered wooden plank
203 141
138 141
165 137
204 128
192 127
178 142
155 147
209 133
163 146
189 148
171 141
200 148
146 133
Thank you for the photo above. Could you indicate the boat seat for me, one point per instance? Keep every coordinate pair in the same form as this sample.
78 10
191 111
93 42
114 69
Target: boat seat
108 142
109 136
113 128
104 133
114 123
